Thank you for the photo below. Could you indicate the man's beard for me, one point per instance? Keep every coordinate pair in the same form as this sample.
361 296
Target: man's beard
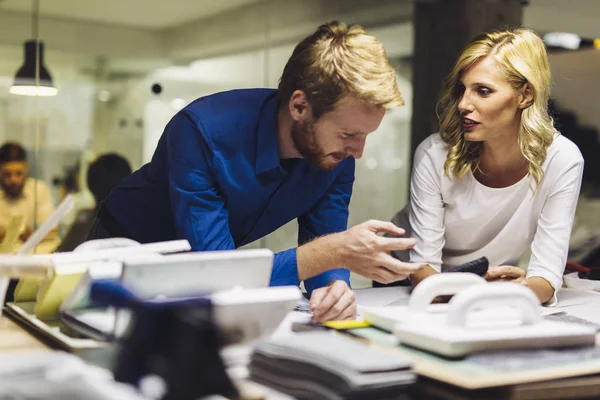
304 137
13 191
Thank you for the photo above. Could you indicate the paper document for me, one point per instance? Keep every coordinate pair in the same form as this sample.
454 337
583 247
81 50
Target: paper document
528 359
575 297
566 317
379 297
302 306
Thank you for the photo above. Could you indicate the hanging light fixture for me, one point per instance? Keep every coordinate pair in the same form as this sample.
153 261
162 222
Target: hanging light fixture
33 78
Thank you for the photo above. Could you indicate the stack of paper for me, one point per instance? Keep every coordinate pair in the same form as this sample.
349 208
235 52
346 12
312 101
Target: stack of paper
56 376
327 365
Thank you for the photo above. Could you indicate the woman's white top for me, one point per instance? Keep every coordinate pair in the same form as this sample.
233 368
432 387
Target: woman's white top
456 221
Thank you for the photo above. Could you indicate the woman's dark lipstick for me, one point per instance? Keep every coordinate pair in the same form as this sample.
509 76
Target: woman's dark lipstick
469 124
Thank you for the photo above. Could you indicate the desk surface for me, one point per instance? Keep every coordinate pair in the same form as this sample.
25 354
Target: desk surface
13 338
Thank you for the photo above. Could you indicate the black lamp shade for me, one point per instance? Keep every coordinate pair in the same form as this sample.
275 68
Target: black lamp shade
25 80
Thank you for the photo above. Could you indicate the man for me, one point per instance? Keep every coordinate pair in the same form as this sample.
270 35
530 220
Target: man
24 197
232 167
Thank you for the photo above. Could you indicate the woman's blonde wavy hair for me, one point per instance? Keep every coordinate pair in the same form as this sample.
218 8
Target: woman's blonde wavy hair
521 56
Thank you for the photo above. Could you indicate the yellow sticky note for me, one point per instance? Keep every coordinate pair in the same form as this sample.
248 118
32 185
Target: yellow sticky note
346 324
27 289
53 291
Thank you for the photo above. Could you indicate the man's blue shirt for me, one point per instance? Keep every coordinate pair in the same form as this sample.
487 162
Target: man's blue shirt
216 180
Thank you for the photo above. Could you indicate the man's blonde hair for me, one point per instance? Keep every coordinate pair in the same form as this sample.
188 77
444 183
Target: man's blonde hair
337 61
521 56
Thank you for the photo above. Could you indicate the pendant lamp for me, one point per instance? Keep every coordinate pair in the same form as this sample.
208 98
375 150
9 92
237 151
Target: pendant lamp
33 78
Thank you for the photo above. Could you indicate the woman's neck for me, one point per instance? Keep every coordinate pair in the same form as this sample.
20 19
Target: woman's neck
501 163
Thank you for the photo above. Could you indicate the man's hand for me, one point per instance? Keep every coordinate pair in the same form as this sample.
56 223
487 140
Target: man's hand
505 273
368 254
335 301
26 234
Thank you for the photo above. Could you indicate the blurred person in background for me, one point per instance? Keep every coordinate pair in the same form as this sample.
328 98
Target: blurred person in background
104 173
23 196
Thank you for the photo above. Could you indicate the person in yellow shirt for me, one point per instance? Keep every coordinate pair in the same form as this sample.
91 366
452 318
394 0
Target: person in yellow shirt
23 196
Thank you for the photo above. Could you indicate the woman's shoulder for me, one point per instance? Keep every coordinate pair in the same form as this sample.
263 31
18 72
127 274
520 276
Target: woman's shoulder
563 153
433 146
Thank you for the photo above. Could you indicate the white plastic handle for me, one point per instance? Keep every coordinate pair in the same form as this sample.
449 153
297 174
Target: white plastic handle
493 295
118 253
449 283
110 243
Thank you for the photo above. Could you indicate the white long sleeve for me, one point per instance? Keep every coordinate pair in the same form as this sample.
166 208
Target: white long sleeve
551 241
427 206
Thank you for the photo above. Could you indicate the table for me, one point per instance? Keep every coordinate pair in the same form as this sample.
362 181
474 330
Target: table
582 304
13 338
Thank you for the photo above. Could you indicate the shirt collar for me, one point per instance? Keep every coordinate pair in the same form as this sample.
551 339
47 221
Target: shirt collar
267 151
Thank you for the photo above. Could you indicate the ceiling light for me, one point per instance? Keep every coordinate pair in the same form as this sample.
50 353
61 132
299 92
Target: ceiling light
33 78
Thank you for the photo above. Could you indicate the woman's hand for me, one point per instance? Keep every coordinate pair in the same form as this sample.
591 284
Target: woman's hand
505 273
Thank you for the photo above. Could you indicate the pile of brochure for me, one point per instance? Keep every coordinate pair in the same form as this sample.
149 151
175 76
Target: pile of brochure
328 365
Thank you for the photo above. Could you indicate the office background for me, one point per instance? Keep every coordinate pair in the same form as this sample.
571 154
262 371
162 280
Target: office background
123 68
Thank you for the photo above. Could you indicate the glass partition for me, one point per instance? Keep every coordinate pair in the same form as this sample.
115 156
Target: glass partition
120 75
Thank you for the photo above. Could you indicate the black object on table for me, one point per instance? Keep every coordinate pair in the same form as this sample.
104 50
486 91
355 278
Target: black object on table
479 267
593 274
175 339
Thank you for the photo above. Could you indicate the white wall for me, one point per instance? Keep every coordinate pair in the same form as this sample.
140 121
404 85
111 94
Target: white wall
576 84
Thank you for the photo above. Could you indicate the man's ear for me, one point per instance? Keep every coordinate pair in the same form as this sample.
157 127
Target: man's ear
299 106
525 97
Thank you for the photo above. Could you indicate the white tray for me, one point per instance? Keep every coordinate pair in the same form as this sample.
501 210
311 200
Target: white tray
455 334
573 281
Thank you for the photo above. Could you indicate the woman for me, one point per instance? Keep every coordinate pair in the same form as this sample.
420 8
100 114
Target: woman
498 178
